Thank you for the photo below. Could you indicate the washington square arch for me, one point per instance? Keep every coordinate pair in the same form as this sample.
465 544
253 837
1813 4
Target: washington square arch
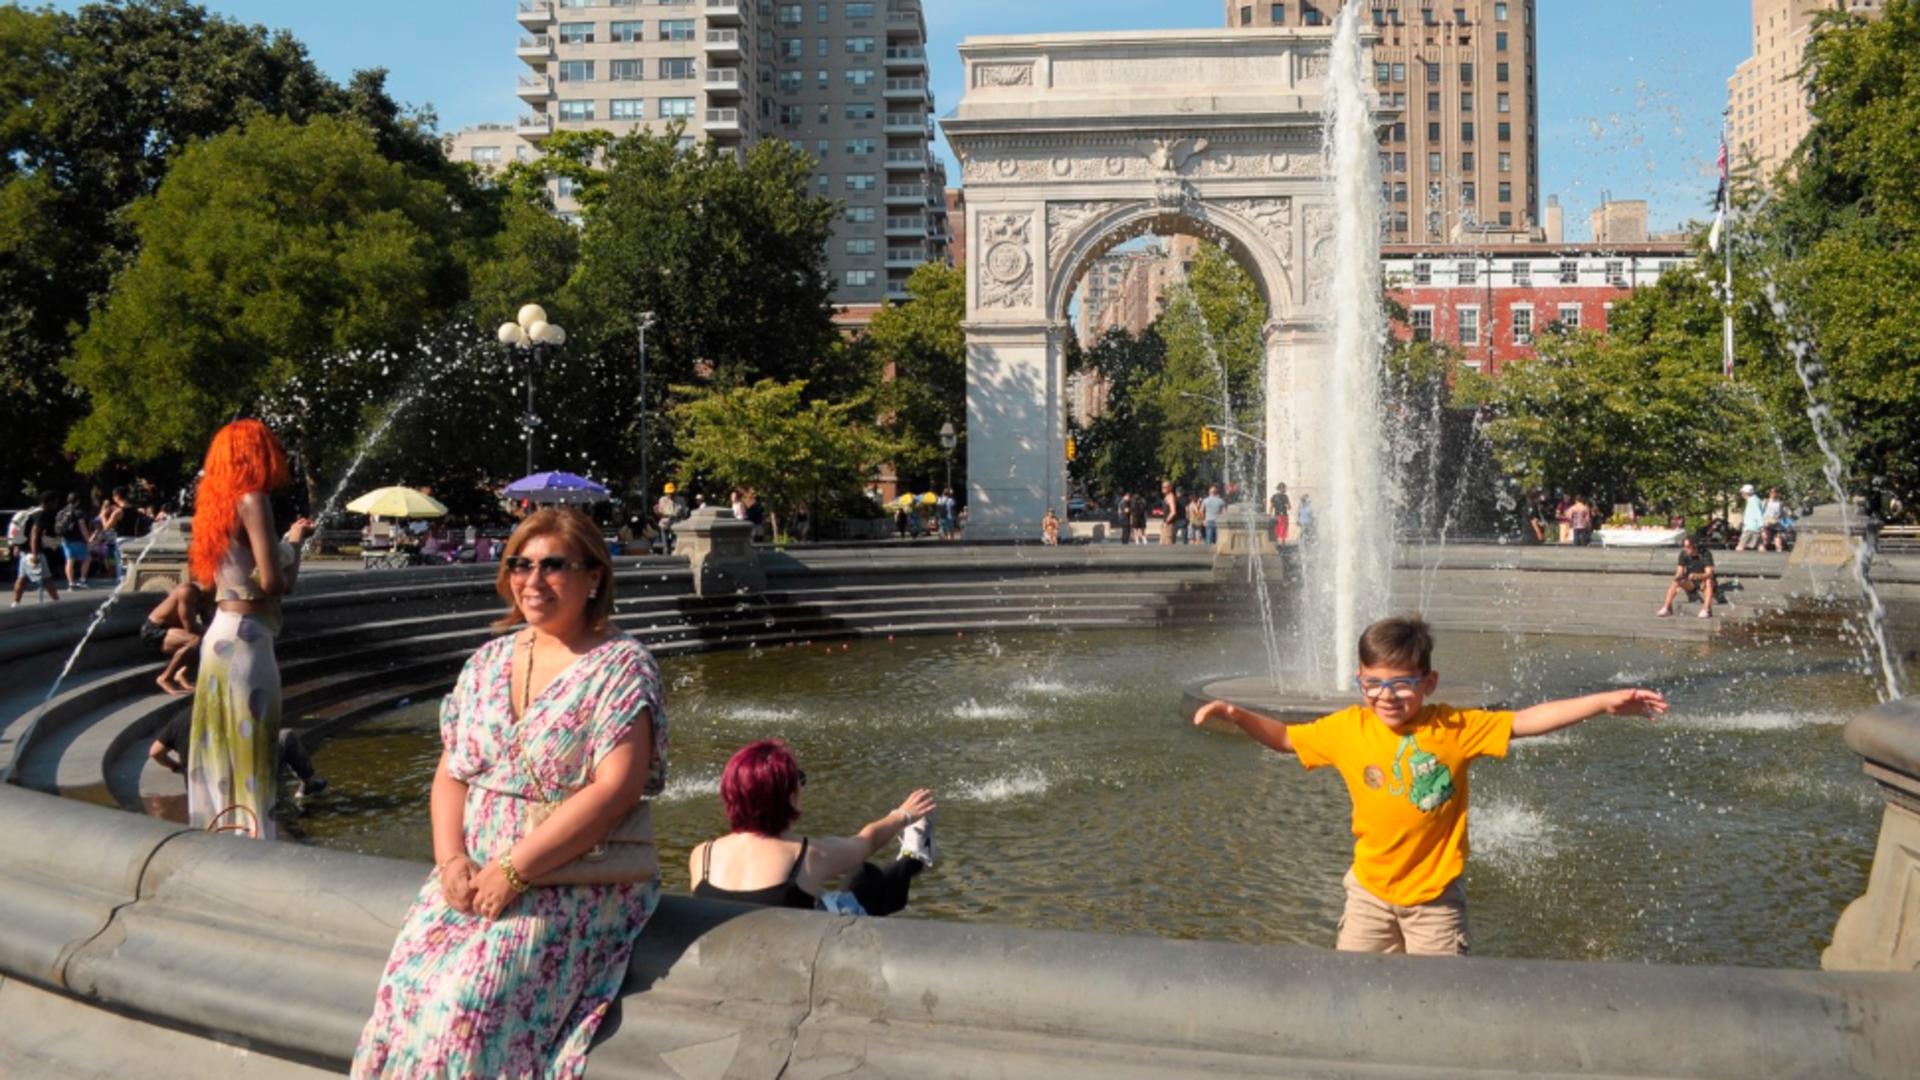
1070 145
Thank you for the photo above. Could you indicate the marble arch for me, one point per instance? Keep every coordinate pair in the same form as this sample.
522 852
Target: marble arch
1072 144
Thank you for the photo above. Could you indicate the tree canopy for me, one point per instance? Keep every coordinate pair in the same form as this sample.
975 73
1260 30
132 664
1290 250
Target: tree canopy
922 382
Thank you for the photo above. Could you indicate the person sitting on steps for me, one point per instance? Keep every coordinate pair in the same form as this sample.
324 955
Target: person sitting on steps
1693 575
764 861
169 749
175 628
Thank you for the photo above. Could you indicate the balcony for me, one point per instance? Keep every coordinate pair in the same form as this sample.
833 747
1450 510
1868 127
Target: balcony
725 82
536 14
906 194
537 48
906 160
906 21
905 258
911 89
723 45
907 226
725 12
534 126
906 58
536 88
723 123
908 124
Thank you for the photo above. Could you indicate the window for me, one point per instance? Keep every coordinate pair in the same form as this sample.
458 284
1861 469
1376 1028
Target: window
1466 73
1433 161
1469 192
1506 217
1503 102
859 147
862 111
1499 13
676 67
566 187
1278 13
789 115
1466 161
627 108
1501 71
1466 101
859 76
629 31
576 33
790 81
1433 71
1466 131
1400 191
861 215
859 11
576 110
862 277
1433 131
1400 161
821 15
1570 316
790 48
1506 191
1506 161
1523 275
859 181
1421 319
1500 42
1468 319
860 247
485 155
1246 15
1506 131
789 14
626 70
576 71
822 149
1617 273
1466 273
1309 14
1522 319
676 29
1382 72
823 47
1400 132
1399 73
1569 272
676 107
1422 273
859 44
1433 101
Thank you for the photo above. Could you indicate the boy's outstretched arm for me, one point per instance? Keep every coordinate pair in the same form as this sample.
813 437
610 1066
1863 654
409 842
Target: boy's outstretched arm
1554 715
1263 728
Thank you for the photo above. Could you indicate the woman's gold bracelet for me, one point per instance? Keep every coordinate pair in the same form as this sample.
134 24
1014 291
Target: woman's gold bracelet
514 881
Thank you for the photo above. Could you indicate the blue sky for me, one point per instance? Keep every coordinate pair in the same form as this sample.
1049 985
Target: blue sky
1630 90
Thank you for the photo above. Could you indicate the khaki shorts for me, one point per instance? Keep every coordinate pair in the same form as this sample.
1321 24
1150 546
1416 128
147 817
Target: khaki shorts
1435 928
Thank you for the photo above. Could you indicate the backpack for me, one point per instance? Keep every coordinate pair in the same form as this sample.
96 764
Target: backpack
67 524
19 528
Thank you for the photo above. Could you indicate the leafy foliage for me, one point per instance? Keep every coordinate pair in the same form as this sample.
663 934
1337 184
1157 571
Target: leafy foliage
922 351
799 455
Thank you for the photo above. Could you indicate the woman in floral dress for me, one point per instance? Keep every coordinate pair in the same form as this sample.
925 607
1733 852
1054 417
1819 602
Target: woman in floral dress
491 977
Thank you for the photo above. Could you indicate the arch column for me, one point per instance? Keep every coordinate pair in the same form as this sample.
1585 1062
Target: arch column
1016 427
1297 354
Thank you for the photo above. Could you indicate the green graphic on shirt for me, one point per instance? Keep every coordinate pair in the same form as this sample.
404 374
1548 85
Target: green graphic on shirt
1431 783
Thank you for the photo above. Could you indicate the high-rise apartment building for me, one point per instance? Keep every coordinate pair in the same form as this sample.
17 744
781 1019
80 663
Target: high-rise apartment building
1767 113
1462 150
843 80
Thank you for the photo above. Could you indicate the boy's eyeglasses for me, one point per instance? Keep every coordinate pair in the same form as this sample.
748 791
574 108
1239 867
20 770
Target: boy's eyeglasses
1404 686
551 566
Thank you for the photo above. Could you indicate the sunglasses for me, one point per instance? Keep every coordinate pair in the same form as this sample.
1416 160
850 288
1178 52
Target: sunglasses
551 566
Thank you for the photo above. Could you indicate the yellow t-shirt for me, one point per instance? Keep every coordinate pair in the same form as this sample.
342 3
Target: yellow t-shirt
1409 790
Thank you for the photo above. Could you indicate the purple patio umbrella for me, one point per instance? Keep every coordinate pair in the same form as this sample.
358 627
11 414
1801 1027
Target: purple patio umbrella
555 487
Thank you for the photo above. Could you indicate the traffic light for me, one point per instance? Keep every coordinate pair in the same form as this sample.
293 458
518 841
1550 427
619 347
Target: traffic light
1209 439
1072 448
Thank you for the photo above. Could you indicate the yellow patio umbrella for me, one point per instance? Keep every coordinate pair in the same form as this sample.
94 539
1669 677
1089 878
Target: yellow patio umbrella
397 502
904 502
928 498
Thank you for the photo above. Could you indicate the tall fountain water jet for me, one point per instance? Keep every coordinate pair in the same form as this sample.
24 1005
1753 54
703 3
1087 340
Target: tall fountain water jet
1350 560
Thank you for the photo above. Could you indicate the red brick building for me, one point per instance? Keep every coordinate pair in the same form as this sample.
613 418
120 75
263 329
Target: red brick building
1493 300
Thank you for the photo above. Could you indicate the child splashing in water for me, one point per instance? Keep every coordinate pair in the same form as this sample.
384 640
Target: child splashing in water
1405 765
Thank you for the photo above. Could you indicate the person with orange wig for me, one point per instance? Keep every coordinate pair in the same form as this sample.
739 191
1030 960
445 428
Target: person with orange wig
237 556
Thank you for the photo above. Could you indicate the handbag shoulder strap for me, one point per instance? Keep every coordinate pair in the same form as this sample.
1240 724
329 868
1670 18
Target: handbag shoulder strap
513 737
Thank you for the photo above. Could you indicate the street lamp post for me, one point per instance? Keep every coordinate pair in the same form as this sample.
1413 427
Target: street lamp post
948 440
535 338
646 321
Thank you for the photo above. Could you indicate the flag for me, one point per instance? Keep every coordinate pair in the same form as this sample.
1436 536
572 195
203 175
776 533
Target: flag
1713 234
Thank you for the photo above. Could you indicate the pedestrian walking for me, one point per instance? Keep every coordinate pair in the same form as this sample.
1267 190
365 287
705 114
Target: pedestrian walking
1211 508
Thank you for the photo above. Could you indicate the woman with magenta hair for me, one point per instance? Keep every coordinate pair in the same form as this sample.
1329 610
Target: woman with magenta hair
764 861
247 566
553 741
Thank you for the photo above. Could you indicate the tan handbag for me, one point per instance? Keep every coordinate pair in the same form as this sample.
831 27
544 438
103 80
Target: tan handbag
626 855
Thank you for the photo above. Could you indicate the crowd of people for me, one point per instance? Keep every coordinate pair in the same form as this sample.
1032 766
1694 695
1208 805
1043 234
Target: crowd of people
1179 516
76 538
1763 524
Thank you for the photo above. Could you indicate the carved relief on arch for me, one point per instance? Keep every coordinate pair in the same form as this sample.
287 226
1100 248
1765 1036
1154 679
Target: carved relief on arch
1065 220
1003 75
1319 254
1006 267
1273 217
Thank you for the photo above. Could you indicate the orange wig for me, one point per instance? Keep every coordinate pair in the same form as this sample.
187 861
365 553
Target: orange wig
244 458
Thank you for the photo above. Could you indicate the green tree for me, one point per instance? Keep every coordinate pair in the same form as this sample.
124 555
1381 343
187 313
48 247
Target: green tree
729 256
922 351
799 455
95 106
276 264
1119 450
1212 330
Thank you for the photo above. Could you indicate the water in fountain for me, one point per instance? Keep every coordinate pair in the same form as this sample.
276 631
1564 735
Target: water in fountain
332 506
1350 563
1831 439
100 613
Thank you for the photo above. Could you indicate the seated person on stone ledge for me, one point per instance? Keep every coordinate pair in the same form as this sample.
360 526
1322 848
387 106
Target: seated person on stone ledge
1693 575
175 627
764 861
170 750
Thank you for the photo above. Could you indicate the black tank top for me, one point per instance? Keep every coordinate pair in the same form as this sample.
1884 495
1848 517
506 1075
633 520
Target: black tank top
787 894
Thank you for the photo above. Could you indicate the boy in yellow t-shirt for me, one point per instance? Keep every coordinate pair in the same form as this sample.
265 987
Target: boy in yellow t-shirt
1405 765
